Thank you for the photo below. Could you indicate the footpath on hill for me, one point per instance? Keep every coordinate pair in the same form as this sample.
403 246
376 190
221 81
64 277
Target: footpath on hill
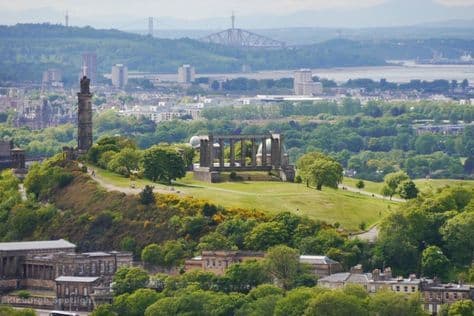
375 195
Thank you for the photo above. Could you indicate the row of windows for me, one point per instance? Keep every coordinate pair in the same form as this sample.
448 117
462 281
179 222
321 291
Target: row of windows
406 289
93 268
447 295
74 291
220 263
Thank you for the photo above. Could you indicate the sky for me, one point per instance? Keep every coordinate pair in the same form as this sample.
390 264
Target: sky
105 12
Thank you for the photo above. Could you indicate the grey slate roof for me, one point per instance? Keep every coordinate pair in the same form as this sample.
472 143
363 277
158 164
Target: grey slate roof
336 277
76 279
36 245
316 259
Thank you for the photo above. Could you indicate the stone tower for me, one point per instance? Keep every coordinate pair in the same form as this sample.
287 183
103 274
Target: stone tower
84 117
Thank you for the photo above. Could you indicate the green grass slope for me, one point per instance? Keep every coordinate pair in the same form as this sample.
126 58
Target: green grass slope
347 208
422 184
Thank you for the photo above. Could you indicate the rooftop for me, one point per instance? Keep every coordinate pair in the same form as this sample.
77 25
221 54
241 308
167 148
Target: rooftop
36 245
76 279
316 259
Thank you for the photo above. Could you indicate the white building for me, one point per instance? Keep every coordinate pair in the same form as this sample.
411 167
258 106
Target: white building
119 75
186 74
304 85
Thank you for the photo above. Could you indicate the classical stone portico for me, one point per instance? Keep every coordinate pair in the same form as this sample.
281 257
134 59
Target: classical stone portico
266 153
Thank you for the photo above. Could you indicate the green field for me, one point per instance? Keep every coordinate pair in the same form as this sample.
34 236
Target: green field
422 184
349 209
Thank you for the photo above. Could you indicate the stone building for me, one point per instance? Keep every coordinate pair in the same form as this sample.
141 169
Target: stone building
321 265
74 293
218 261
435 295
55 266
373 282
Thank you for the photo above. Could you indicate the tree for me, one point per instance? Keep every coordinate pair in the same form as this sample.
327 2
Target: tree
139 300
295 302
266 235
392 181
388 303
434 262
469 165
408 190
152 254
335 303
129 279
246 275
163 164
126 161
360 184
461 308
319 170
458 234
104 310
283 264
215 241
426 144
147 196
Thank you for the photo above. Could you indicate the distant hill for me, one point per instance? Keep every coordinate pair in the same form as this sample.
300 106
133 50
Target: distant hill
28 49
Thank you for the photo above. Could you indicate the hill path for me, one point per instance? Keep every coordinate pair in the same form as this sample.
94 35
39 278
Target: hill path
375 195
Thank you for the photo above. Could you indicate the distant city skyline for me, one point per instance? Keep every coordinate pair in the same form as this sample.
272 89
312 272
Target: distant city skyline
207 14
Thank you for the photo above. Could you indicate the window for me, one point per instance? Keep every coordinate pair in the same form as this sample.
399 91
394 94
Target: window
455 296
85 291
93 267
66 290
413 289
398 288
405 288
447 295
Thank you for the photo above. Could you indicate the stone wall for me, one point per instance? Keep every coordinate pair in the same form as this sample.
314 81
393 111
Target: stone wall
8 285
38 284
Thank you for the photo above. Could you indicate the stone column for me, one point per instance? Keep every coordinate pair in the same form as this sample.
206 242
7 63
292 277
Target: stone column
254 153
242 152
84 120
202 151
221 156
1 267
276 155
232 153
264 151
211 152
280 149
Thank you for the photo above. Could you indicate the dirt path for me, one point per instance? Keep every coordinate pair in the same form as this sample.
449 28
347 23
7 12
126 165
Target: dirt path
369 236
127 190
374 195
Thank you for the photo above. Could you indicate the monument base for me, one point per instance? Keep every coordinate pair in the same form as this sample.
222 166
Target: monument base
205 175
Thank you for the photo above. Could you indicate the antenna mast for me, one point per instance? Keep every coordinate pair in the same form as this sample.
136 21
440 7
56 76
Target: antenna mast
67 19
233 20
150 26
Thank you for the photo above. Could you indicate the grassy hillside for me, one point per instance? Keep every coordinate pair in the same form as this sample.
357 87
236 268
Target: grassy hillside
348 209
422 184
